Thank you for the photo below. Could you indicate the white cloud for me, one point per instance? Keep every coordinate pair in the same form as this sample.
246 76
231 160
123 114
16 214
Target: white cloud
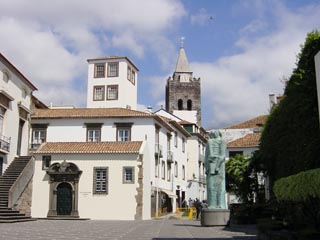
50 41
235 88
202 17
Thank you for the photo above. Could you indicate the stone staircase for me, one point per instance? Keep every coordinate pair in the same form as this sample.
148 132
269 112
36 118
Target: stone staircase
7 214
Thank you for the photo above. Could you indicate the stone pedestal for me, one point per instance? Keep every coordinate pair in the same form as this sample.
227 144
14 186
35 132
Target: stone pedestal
214 217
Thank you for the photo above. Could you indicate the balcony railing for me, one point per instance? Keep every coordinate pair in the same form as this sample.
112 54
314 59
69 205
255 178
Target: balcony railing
35 144
170 157
5 143
158 151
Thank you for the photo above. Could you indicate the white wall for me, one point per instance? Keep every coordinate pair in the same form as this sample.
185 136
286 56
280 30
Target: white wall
127 92
16 88
120 202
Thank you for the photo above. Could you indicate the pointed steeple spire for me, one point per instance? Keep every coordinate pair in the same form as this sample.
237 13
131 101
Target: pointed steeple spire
182 63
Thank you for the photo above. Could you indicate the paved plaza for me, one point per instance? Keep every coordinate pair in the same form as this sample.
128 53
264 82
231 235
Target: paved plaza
157 229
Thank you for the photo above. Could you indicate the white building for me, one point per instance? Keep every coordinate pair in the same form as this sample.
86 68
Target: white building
196 176
117 157
112 82
15 103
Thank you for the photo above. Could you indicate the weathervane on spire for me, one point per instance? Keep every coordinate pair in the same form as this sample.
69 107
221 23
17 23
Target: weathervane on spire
182 41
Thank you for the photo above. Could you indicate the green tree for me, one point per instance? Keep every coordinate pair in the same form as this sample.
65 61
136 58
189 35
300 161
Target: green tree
290 141
238 179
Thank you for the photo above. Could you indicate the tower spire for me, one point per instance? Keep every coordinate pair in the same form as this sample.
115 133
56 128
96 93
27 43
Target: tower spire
182 63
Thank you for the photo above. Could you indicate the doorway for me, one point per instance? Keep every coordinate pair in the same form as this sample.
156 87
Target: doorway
64 199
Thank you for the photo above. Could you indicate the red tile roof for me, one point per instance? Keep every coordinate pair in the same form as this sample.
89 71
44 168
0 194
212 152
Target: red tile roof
249 140
87 113
252 123
89 147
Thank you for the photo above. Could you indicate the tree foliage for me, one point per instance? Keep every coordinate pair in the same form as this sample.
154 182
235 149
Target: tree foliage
290 141
237 177
299 187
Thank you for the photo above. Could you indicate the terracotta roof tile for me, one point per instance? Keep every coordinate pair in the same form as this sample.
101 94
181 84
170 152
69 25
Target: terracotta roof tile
89 147
87 113
249 140
252 123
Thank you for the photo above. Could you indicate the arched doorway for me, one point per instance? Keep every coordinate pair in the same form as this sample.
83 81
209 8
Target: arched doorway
64 199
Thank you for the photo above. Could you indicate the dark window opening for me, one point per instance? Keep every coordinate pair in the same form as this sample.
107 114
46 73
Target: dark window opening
180 104
189 105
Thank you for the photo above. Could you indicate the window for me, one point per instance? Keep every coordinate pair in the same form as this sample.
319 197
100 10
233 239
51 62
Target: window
123 134
128 174
5 76
98 93
189 105
94 132
99 70
180 104
183 145
183 172
175 139
168 172
100 180
123 131
176 169
39 132
113 69
163 170
129 73
133 77
112 92
46 162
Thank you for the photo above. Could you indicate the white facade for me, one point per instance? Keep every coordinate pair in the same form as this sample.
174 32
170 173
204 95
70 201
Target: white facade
112 82
158 179
15 101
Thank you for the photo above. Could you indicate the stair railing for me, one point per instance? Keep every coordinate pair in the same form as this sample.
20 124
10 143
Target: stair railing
20 184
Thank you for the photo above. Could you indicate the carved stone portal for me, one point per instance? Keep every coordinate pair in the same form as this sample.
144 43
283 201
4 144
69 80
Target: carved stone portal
64 181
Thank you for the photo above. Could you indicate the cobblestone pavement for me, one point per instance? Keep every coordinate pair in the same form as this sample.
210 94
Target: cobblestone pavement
158 229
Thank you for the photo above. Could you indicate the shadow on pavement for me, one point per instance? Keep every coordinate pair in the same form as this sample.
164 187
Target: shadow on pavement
214 238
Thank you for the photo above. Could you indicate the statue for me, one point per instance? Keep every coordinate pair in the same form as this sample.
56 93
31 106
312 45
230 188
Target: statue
215 170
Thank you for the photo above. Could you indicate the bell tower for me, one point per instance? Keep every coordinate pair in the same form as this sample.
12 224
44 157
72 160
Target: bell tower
183 92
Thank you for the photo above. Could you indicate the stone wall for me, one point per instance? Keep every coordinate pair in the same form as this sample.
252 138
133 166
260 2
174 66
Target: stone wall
25 200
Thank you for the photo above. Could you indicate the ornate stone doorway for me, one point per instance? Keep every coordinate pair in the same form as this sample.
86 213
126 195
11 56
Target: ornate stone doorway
64 181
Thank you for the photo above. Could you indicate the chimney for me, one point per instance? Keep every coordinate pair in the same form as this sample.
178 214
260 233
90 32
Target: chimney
272 100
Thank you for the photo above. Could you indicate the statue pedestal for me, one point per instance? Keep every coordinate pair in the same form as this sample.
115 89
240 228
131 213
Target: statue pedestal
214 217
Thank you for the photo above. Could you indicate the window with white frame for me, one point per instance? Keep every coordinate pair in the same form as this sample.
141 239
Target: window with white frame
98 93
112 92
93 132
99 70
39 132
123 131
100 180
124 134
128 174
113 69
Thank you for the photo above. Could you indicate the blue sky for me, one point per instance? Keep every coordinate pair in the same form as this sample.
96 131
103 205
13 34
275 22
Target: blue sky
241 49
